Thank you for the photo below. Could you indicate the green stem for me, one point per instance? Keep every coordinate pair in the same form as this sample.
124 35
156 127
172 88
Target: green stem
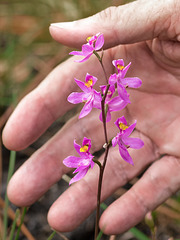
100 61
10 172
138 234
99 235
104 113
52 235
21 222
97 162
102 167
14 225
99 192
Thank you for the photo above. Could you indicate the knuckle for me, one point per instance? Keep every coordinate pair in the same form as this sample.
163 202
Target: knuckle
107 14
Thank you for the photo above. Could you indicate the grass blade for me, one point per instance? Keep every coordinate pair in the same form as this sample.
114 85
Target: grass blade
22 220
52 235
14 225
99 235
138 234
10 172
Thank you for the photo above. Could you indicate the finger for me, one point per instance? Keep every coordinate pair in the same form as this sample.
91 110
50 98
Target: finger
138 21
50 156
158 116
36 112
44 167
159 182
80 199
47 160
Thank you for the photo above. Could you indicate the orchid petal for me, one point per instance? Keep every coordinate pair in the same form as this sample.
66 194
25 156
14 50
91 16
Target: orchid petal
116 104
110 92
97 100
135 143
115 140
133 82
113 79
108 116
99 42
88 77
77 147
118 62
84 59
81 168
72 161
82 86
123 93
86 109
87 49
125 154
87 141
78 53
120 120
129 130
92 164
78 176
76 97
100 117
124 71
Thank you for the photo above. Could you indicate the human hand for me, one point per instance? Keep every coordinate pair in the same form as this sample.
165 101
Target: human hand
147 33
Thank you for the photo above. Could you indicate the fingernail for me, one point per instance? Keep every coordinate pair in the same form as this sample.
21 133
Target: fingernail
64 24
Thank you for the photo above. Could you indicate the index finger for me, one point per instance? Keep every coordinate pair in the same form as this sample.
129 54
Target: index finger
126 24
40 108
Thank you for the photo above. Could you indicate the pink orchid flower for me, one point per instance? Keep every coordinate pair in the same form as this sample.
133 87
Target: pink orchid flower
82 163
132 82
112 104
89 96
122 81
123 140
94 43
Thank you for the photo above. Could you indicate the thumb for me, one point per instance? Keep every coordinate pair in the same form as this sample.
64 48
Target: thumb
134 22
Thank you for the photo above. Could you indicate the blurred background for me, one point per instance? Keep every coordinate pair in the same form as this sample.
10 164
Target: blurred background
27 51
27 55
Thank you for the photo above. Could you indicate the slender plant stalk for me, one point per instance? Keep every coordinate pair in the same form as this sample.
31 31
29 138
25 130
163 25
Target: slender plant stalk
99 235
99 192
52 235
10 172
21 222
100 61
138 234
104 71
14 225
102 167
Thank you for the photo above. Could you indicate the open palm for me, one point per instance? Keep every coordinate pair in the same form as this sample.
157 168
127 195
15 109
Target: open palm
154 51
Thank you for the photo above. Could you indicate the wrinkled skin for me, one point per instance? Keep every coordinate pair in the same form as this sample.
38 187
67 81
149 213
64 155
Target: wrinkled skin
147 33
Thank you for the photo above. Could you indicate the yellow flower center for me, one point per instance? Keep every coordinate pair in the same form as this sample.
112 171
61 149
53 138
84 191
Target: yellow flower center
89 83
120 67
88 38
84 148
122 126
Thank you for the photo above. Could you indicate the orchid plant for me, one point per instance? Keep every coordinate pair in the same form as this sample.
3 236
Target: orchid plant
112 97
